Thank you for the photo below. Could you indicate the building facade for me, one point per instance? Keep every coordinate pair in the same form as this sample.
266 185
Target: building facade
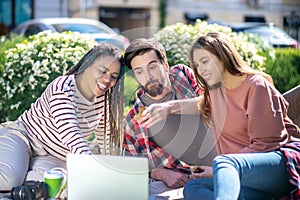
145 17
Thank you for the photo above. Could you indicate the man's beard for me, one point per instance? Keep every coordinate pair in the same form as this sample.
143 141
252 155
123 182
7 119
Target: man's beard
153 91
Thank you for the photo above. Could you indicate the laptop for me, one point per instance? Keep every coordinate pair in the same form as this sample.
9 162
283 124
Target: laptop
186 137
107 177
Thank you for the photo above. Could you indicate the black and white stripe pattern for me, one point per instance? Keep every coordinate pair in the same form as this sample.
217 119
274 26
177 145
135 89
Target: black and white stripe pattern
62 118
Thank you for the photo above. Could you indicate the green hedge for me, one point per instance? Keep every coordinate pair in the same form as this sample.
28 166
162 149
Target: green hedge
285 68
6 43
130 88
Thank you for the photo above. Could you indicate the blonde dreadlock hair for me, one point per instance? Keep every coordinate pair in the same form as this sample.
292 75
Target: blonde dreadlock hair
114 105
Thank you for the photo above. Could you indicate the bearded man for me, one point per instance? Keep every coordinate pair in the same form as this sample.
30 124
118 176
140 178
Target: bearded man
162 86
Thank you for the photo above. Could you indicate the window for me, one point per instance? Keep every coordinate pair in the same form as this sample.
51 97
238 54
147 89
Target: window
32 29
13 12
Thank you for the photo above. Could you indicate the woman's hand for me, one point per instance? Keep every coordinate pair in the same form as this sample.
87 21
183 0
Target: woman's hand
206 173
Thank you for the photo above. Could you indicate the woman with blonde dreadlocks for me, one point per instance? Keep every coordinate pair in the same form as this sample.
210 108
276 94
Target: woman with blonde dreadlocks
71 108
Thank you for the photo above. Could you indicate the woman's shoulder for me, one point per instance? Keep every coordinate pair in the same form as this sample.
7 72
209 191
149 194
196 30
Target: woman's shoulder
258 80
64 79
63 83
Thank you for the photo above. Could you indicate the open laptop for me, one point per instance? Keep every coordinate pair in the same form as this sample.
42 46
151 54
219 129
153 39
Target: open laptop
186 137
106 177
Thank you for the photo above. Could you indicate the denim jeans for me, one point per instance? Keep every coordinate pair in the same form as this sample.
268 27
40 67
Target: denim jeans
249 176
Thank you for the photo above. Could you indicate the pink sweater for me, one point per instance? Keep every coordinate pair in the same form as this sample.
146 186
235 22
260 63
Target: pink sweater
251 118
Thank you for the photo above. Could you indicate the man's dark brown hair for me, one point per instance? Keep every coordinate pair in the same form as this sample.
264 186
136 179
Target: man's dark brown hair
140 46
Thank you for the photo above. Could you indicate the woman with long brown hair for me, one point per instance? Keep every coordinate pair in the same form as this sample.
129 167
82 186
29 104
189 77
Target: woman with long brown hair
257 143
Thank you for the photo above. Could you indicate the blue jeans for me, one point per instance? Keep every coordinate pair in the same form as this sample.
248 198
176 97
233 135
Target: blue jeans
248 176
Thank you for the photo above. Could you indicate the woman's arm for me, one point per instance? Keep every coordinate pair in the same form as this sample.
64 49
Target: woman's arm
63 111
265 114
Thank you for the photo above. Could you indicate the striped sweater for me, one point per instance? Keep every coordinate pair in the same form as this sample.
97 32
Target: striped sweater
61 119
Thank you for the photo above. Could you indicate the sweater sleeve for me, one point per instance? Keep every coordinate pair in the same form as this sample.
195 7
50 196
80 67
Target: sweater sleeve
265 114
63 111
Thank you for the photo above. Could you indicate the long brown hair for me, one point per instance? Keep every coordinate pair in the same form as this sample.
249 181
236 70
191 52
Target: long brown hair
114 97
221 46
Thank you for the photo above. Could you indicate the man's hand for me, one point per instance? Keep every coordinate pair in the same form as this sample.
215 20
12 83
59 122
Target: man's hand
171 178
154 113
207 172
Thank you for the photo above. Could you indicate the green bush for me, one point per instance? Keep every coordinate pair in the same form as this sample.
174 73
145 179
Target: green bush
32 64
131 85
285 69
6 43
178 38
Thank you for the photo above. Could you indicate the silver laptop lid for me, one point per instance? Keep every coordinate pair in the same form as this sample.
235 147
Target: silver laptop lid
106 177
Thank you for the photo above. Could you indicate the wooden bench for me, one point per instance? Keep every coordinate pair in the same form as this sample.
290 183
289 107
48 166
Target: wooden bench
293 97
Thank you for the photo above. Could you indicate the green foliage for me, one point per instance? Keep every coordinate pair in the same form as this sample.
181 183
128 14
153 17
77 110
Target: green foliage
32 64
178 38
285 69
262 46
130 87
6 43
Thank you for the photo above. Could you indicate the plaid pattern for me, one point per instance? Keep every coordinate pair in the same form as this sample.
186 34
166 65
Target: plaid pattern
291 152
136 142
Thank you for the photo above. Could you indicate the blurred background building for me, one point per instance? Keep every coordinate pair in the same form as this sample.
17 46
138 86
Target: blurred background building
125 15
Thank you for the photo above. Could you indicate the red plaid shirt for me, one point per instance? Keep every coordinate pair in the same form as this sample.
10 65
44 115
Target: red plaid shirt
136 142
291 151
